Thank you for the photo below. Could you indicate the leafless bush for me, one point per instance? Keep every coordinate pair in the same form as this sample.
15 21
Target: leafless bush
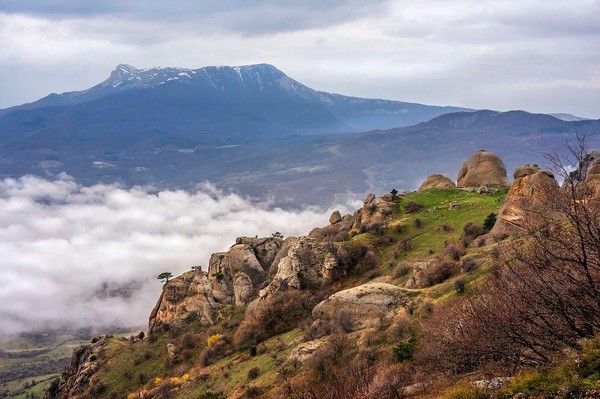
439 271
282 312
217 351
454 252
469 265
402 269
412 207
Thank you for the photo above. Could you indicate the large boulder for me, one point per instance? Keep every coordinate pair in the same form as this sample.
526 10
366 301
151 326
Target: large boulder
436 181
526 203
482 168
189 295
363 306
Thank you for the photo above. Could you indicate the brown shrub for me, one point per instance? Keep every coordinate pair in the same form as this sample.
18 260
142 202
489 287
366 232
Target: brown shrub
439 271
402 269
454 252
216 352
412 207
282 312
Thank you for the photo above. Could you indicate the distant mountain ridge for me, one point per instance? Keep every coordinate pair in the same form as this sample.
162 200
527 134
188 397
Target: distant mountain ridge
255 131
258 97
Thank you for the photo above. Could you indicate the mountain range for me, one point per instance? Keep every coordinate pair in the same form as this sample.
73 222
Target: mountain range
254 130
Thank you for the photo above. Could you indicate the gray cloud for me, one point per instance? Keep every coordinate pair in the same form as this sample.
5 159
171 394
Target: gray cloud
61 241
541 56
237 16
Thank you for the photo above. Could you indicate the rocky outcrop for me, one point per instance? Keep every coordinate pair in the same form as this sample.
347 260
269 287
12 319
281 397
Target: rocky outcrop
526 202
417 279
436 181
375 211
482 168
236 275
187 296
308 264
363 306
77 377
592 178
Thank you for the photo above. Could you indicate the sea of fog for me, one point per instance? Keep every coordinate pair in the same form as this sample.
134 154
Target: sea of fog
66 249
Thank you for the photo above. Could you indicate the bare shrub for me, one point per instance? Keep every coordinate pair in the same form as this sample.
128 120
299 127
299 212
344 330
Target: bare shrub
282 312
385 240
412 207
402 269
454 252
439 271
469 265
209 355
343 322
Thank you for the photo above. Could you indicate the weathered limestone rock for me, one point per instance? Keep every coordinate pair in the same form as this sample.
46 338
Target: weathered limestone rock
172 353
374 211
242 288
436 181
265 248
189 295
308 264
236 275
482 168
306 349
363 306
78 376
525 202
417 279
592 178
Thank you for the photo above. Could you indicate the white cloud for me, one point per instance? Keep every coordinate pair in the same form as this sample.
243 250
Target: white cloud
60 241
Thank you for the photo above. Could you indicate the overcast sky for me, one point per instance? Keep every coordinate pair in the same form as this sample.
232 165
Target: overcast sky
537 55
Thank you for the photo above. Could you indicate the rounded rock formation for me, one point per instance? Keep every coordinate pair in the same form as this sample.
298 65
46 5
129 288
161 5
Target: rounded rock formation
436 181
482 168
527 199
335 217
363 306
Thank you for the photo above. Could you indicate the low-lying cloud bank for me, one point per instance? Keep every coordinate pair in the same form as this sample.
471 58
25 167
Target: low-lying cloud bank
66 249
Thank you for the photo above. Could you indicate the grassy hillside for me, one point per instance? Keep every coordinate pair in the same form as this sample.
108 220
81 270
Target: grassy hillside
428 247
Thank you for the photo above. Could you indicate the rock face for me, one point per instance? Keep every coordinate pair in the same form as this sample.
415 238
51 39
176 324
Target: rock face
592 177
363 306
374 211
77 376
525 200
308 263
436 181
236 275
482 168
189 295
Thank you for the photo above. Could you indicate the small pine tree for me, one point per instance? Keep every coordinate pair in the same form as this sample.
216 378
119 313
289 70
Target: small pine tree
490 221
164 277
